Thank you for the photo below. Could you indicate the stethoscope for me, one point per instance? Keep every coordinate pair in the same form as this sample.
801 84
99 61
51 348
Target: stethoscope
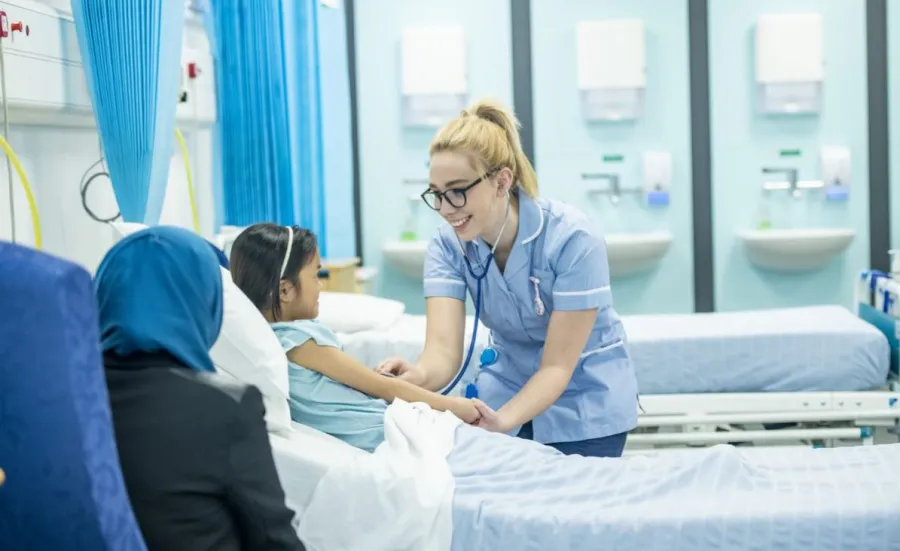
489 355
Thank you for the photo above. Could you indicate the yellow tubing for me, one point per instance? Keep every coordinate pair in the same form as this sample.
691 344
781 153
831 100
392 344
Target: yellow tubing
32 205
190 181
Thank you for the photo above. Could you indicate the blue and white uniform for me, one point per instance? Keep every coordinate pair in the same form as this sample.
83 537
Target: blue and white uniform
559 254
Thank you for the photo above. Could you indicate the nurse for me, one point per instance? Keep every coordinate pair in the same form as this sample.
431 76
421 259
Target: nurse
562 374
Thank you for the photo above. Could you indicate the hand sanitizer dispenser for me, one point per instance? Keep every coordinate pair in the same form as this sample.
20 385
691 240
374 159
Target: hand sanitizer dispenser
836 172
611 69
790 66
434 74
657 177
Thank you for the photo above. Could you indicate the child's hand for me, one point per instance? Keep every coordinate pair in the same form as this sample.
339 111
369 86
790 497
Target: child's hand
489 419
465 409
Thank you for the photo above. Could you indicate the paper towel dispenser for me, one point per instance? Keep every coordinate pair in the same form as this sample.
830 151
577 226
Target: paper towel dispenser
434 74
790 66
611 69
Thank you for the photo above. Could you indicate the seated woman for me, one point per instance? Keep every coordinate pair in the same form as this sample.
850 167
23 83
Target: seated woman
277 268
194 451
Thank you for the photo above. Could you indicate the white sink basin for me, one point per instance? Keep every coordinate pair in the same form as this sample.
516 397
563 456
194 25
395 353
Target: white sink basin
630 253
408 257
797 250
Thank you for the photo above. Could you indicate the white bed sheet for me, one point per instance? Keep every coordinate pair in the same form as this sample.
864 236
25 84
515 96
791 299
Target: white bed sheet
820 348
398 498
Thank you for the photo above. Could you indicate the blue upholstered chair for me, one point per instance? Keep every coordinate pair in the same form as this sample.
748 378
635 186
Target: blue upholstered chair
63 488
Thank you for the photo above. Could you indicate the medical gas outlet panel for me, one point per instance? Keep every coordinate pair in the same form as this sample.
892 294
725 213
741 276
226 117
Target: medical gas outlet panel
45 79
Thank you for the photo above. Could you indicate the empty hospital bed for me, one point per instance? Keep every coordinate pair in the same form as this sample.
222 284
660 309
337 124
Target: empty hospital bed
725 377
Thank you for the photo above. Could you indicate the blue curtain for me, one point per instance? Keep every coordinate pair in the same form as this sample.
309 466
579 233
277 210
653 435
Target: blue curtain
269 107
301 24
252 103
131 52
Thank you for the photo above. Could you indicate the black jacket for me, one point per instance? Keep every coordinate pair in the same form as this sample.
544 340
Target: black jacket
196 459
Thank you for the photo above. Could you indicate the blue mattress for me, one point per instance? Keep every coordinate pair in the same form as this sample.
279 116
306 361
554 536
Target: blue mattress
821 348
517 495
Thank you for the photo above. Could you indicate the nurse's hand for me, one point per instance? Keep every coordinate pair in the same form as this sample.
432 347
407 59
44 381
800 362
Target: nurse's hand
401 369
490 420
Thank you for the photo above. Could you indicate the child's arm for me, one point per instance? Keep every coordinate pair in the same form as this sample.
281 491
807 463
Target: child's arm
335 364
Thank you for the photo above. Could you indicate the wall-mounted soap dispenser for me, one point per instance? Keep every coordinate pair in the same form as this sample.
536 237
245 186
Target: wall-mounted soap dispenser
836 172
657 178
790 65
611 69
434 74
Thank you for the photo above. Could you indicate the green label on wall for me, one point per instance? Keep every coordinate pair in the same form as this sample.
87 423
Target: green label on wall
613 158
789 153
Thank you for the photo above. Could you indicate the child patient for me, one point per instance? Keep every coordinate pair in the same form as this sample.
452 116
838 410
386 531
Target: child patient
277 267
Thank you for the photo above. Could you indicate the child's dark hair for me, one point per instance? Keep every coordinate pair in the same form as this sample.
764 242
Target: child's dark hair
256 259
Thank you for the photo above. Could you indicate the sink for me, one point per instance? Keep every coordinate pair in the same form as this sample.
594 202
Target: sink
408 257
630 253
796 250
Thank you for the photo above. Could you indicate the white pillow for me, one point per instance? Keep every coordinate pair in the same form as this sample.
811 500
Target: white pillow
353 312
124 229
248 350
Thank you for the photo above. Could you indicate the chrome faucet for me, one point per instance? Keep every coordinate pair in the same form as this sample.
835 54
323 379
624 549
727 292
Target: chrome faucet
792 179
615 189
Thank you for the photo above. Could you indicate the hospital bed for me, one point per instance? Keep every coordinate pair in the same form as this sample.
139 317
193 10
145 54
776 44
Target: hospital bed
817 374
493 492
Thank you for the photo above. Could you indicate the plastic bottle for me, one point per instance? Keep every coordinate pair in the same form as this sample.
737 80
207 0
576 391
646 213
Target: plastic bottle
764 216
895 264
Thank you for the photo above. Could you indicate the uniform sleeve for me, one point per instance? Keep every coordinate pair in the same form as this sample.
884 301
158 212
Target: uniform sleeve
582 273
254 489
443 270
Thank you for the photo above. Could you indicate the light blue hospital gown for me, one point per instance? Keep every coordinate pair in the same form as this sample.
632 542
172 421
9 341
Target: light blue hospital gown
325 404
565 253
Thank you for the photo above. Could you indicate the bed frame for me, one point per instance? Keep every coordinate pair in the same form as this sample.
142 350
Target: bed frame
819 419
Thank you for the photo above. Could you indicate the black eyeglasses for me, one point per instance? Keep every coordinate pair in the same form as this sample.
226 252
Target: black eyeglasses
456 197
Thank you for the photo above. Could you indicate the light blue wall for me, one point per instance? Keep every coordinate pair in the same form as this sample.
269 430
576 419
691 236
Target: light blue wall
893 55
743 142
389 152
566 146
337 139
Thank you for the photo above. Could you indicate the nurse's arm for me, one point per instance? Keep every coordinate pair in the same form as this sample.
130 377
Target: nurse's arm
444 286
567 336
442 355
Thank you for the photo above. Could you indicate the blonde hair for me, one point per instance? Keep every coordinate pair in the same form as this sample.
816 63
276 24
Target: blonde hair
490 133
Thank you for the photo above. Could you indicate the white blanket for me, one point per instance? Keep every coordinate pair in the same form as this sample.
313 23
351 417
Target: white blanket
398 498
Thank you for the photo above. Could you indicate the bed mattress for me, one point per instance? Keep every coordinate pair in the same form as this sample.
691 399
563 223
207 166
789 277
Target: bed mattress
512 494
821 348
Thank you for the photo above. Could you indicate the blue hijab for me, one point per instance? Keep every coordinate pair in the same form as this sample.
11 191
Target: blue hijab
160 290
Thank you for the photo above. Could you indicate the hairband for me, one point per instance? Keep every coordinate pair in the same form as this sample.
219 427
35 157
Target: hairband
287 254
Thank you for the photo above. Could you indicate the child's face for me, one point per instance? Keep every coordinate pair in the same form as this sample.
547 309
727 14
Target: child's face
302 301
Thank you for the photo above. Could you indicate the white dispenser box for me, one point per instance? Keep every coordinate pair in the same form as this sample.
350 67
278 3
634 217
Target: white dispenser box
790 65
835 165
657 167
434 74
611 69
